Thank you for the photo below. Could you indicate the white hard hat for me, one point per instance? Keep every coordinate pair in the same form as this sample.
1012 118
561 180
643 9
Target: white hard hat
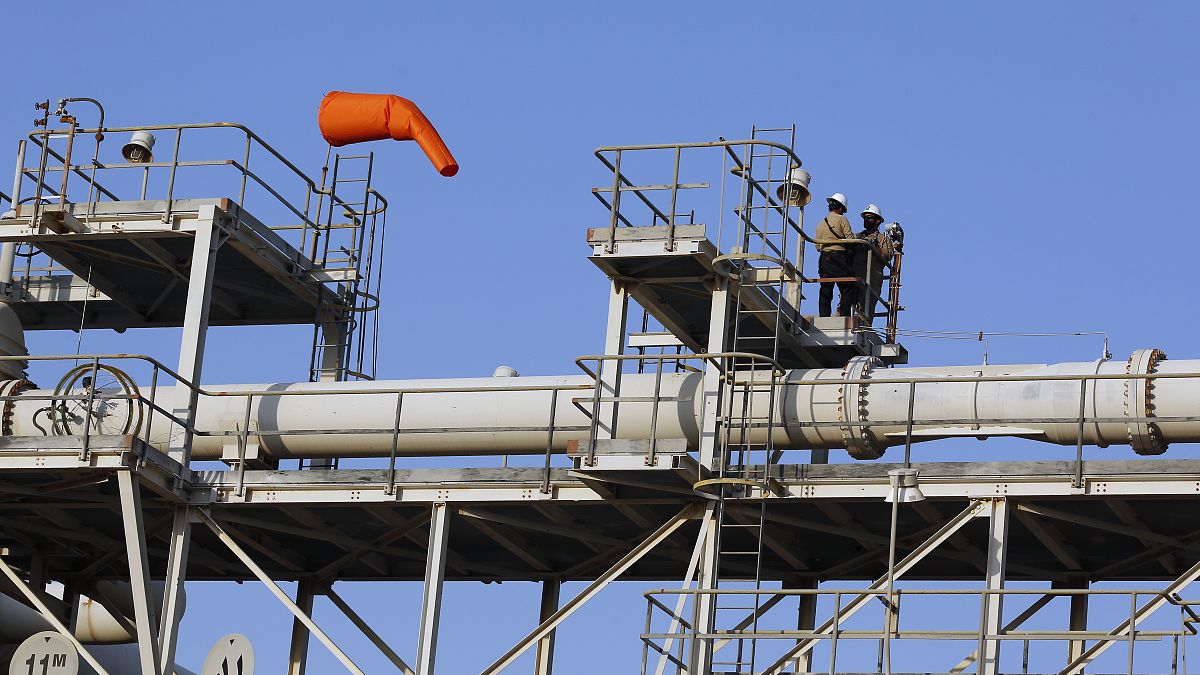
839 198
873 210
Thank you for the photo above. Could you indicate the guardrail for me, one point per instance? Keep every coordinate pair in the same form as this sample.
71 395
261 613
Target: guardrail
311 227
782 241
673 644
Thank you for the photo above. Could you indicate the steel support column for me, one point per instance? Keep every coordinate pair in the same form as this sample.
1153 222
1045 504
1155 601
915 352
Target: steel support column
993 603
172 609
717 329
704 607
195 314
331 356
551 590
139 572
610 371
298 646
806 621
431 600
1077 620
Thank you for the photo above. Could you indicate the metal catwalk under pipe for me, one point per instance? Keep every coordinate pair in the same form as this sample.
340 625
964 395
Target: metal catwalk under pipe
503 415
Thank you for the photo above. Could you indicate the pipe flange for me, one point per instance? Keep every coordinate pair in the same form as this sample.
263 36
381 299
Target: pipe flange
853 407
1144 436
11 388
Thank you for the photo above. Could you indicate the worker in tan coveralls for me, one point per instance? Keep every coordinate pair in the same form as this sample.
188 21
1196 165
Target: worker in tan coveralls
835 261
879 249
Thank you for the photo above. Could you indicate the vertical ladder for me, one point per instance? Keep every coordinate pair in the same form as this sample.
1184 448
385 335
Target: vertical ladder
761 265
345 226
346 252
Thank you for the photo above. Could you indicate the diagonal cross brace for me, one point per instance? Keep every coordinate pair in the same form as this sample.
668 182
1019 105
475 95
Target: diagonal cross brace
277 591
628 560
1122 630
974 509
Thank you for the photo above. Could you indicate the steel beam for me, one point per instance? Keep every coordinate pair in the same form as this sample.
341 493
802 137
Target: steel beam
435 577
172 609
1052 539
993 603
974 509
367 631
385 539
1139 533
139 572
628 560
1127 515
277 591
544 661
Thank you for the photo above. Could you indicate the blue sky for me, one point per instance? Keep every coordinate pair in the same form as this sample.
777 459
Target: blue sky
1042 157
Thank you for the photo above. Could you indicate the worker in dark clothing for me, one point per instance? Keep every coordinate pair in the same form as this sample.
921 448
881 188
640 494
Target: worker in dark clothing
836 260
879 249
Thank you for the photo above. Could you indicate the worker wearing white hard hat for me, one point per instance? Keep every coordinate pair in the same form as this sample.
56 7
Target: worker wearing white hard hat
836 259
870 261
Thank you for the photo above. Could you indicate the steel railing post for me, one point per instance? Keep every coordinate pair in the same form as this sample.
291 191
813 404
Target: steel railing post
1078 479
549 441
87 413
171 179
243 443
391 485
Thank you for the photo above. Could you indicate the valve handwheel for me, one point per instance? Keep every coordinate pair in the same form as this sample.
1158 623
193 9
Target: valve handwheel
115 402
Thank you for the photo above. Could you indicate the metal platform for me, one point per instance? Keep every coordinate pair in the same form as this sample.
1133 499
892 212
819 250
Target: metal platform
138 265
829 523
671 272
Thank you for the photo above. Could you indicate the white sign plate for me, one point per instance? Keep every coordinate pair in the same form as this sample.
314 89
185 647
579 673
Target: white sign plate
232 655
45 653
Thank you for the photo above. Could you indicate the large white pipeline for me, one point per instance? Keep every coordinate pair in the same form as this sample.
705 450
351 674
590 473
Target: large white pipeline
505 417
96 623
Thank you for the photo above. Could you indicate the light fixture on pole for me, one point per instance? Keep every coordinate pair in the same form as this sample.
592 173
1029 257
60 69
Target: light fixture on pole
794 190
139 148
905 487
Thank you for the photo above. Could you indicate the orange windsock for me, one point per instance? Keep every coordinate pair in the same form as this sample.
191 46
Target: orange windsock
347 118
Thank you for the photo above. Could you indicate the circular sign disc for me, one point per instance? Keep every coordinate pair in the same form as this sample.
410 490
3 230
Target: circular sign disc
232 655
45 653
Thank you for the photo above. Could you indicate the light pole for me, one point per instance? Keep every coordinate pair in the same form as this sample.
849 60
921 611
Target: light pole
904 488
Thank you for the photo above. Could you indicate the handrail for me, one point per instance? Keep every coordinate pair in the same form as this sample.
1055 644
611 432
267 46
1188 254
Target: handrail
37 135
1050 377
832 630
760 194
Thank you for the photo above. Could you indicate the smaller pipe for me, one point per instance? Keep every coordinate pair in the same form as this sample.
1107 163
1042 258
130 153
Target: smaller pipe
8 251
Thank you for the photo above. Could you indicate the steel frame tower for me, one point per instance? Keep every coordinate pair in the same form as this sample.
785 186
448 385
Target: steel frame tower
764 544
